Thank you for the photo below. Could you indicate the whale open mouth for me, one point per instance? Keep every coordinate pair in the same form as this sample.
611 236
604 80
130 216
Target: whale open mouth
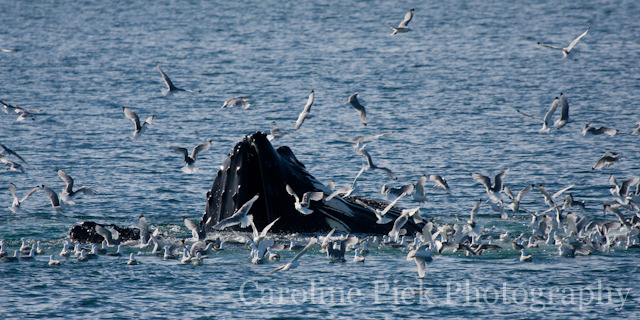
255 167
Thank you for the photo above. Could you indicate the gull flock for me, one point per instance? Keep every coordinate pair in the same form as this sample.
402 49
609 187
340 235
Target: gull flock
559 221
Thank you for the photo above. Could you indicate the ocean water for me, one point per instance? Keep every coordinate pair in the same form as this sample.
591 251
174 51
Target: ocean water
449 89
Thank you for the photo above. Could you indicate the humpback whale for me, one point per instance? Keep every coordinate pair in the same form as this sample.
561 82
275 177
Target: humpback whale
254 166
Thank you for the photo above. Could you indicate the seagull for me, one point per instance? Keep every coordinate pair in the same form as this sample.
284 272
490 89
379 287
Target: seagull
353 99
421 255
636 131
419 193
402 28
524 257
358 257
237 101
239 216
367 139
25 114
4 150
82 257
190 160
55 201
7 50
622 189
373 166
589 128
607 159
498 206
31 256
53 262
259 236
132 260
140 128
486 181
380 214
9 109
197 260
68 193
196 231
13 166
11 259
515 201
347 191
303 115
170 87
440 183
390 193
118 252
307 197
107 235
276 133
15 206
567 50
547 117
475 228
294 262
564 113
549 199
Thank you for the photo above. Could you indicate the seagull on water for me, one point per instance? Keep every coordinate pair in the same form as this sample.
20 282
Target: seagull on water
68 193
515 200
132 260
276 133
353 99
547 117
237 101
402 28
15 206
590 129
636 131
304 114
567 50
54 262
240 216
170 87
140 128
190 160
524 257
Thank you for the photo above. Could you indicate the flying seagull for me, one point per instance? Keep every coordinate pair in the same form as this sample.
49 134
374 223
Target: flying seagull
373 166
68 193
239 217
305 112
140 128
5 150
486 181
237 101
53 197
589 128
190 160
547 117
607 159
564 113
15 206
567 50
402 28
353 99
170 87
276 133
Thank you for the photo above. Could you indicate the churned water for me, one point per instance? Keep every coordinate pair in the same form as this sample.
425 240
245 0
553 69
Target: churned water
450 90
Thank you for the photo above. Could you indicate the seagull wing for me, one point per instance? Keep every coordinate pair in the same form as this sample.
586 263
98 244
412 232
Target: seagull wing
523 192
475 210
131 115
12 189
184 151
166 79
353 99
486 181
305 111
367 155
497 181
306 248
67 179
199 148
266 229
407 19
291 192
367 139
573 43
144 227
530 116
557 194
548 46
53 196
36 188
